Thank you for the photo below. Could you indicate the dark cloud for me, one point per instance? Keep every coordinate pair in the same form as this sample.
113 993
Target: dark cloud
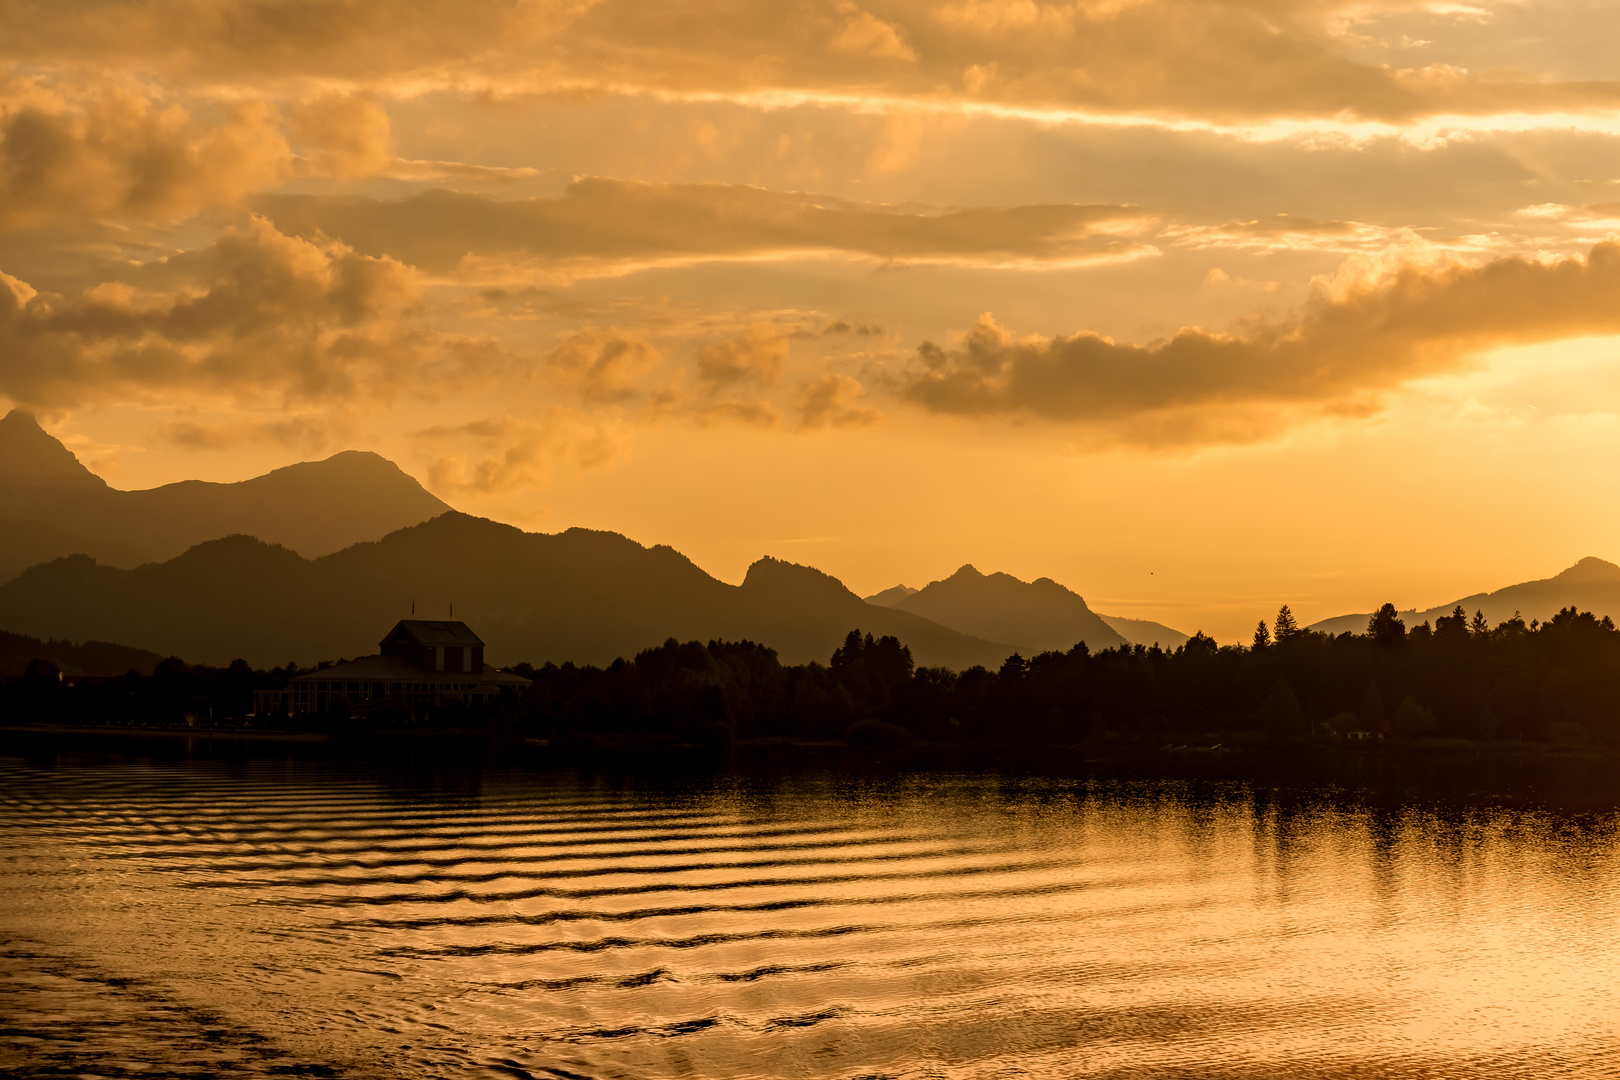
614 220
1346 344
603 363
255 312
839 326
756 355
107 153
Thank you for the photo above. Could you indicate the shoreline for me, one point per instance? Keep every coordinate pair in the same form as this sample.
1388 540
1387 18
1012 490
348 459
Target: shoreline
1303 760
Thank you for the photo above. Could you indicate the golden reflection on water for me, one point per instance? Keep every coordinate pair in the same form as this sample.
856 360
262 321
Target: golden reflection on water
814 926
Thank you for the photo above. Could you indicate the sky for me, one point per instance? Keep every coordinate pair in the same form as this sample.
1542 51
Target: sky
1197 308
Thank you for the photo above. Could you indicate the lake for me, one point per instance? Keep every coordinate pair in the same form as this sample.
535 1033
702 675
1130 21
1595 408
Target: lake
309 918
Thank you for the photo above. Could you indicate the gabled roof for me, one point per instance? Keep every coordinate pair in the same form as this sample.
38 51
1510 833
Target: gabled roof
429 632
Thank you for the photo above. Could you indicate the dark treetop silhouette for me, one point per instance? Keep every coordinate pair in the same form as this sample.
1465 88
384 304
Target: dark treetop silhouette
1514 684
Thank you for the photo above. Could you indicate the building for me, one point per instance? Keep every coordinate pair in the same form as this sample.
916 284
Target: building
422 663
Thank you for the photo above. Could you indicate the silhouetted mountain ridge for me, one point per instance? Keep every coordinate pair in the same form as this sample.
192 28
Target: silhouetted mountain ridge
890 596
1037 616
1040 613
579 595
54 506
31 458
1146 632
1592 584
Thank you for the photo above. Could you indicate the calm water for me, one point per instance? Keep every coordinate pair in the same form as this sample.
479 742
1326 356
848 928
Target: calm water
201 919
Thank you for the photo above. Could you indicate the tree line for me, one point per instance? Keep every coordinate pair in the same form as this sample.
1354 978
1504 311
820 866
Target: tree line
1556 681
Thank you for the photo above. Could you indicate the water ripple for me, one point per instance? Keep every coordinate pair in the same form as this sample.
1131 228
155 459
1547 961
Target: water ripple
317 918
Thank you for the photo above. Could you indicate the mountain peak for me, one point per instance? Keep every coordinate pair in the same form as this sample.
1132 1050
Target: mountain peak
1034 616
1591 571
31 457
891 596
790 579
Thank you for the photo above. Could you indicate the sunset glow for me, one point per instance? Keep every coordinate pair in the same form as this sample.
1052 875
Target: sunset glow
1195 307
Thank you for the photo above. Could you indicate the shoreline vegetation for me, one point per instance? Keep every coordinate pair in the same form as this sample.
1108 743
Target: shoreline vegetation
1459 688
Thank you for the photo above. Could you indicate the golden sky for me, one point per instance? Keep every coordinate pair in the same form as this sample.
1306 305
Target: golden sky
1195 307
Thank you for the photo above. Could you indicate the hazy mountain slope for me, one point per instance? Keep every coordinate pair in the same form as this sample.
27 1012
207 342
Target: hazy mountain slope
799 610
1591 585
85 658
32 459
891 596
1037 616
26 543
1135 631
1146 632
578 595
52 503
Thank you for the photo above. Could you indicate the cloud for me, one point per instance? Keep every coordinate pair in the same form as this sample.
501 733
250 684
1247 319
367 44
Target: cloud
756 355
1236 60
506 453
603 363
256 312
83 154
1361 334
863 34
108 153
839 326
755 414
832 401
615 221
249 39
348 135
307 433
1284 232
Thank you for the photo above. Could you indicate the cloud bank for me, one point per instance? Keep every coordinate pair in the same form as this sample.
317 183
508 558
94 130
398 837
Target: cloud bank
255 313
1352 340
613 221
1226 59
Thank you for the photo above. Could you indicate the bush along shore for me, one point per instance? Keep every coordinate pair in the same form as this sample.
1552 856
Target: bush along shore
1518 686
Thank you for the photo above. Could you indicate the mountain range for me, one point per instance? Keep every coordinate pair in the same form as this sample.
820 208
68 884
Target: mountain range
317 560
51 506
579 595
1591 585
1038 616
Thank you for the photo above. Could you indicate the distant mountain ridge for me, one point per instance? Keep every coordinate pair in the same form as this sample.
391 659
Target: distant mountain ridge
97 658
1037 616
579 595
316 560
1040 615
1146 632
1592 584
51 505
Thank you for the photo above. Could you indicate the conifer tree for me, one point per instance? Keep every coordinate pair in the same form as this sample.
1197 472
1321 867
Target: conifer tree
1386 627
1262 635
1287 625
